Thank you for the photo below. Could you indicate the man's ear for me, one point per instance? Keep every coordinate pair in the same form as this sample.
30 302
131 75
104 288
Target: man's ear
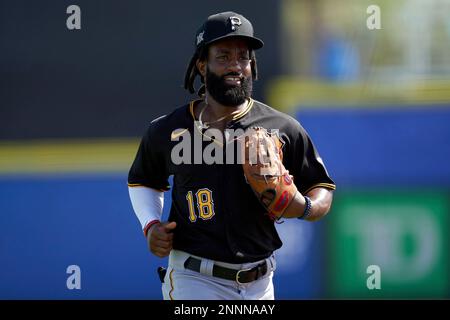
201 67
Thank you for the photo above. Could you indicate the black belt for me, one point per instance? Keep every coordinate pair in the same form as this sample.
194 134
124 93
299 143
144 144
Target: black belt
240 276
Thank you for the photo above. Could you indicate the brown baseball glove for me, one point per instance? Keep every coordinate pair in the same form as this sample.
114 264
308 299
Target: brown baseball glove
265 173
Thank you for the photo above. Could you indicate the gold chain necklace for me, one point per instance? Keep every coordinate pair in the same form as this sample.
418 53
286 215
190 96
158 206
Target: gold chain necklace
206 125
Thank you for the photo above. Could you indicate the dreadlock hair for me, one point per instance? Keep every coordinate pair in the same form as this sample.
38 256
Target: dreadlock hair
192 71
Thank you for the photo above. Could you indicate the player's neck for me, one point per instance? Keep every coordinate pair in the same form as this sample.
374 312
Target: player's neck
215 110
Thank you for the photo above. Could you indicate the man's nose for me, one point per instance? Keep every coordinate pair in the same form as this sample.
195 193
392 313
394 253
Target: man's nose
234 65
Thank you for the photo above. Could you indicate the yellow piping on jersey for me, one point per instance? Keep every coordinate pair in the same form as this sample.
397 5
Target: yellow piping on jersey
171 285
245 111
325 185
235 117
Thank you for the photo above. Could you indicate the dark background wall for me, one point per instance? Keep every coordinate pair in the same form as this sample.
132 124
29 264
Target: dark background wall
122 69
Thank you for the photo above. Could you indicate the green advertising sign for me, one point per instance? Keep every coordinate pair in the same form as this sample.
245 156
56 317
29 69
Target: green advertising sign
389 245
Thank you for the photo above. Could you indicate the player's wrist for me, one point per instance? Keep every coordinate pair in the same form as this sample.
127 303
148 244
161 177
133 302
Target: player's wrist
307 210
149 227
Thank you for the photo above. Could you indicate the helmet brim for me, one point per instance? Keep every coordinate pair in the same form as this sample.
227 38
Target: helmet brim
254 43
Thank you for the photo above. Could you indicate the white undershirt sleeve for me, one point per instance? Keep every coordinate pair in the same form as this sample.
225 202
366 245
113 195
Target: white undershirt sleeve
147 205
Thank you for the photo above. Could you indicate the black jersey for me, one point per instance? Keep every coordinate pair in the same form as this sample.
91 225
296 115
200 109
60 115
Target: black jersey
217 214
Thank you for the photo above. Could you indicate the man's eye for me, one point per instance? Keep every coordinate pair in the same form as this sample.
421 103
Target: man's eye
222 58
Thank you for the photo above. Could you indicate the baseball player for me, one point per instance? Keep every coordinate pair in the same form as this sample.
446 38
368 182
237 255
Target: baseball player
238 166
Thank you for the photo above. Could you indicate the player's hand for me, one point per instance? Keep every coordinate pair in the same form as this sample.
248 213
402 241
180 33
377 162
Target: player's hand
160 238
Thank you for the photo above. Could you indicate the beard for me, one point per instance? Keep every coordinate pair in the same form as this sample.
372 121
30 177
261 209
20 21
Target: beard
228 95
